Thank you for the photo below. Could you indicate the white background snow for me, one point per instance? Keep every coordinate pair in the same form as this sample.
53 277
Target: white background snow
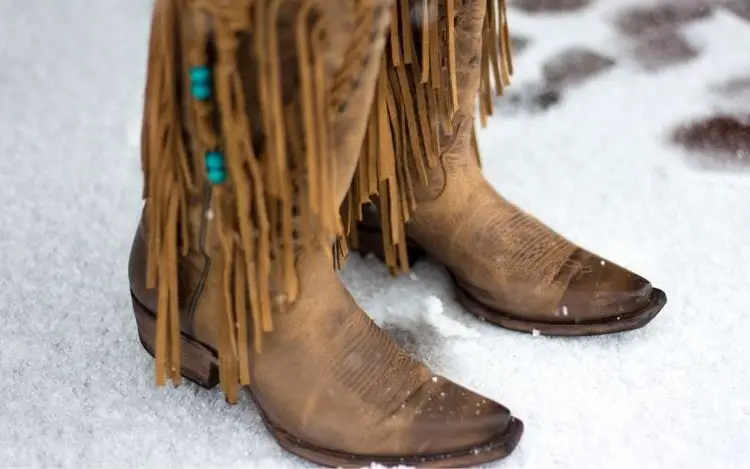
76 388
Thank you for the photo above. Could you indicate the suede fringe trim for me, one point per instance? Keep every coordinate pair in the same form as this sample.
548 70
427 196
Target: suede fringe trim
251 212
415 103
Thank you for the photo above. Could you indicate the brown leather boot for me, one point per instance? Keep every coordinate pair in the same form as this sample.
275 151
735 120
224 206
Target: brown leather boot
214 298
509 268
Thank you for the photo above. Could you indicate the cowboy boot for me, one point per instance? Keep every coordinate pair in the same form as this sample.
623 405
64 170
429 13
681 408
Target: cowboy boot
508 267
214 298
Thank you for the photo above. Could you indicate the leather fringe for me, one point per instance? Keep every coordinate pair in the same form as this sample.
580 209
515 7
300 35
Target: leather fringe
254 210
415 103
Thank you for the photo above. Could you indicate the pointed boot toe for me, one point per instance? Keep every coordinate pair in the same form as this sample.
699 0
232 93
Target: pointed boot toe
460 427
603 289
600 298
604 297
440 424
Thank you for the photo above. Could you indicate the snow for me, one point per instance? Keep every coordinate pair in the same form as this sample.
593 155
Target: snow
434 315
77 388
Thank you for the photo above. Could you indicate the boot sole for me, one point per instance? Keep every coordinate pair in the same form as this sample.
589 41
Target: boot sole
622 323
200 365
371 242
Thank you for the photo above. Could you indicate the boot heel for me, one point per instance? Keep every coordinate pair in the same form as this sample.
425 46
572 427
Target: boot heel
199 362
371 242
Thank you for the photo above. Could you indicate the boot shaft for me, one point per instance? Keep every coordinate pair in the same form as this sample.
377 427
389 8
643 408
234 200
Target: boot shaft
251 108
441 56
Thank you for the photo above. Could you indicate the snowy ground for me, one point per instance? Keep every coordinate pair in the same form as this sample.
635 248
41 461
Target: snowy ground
595 162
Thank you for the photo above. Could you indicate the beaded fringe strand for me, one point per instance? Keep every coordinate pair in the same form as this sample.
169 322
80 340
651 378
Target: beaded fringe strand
200 140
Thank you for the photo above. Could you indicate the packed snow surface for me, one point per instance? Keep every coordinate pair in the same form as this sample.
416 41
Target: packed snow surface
597 166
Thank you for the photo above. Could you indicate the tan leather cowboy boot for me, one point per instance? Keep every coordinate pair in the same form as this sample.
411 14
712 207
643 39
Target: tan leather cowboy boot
509 268
214 299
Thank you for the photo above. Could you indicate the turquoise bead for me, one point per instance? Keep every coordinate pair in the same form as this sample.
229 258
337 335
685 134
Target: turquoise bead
215 169
201 92
200 74
214 160
216 176
200 82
